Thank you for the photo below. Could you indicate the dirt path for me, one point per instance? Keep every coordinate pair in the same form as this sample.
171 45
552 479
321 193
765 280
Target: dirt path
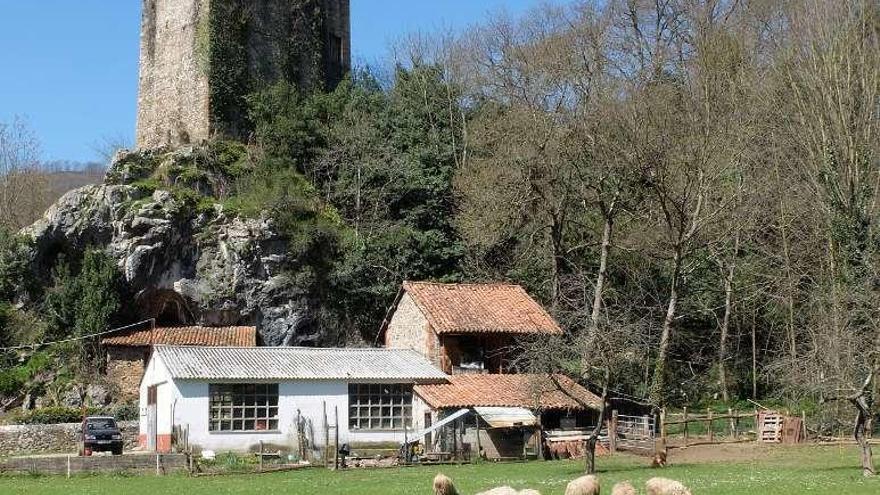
731 452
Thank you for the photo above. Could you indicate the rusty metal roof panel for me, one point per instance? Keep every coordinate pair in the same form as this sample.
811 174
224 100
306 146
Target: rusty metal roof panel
296 363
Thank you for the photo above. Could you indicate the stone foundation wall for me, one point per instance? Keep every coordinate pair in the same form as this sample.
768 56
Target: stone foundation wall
53 439
59 465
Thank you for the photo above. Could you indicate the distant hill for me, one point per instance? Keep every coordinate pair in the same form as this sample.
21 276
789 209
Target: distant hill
62 182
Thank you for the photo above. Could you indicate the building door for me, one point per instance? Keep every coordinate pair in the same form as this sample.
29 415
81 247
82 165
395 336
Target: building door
152 418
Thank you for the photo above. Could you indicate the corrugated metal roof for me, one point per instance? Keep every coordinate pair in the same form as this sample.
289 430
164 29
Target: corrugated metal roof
506 417
296 363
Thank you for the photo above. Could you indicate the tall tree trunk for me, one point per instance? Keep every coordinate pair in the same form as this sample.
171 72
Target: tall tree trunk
725 321
659 384
596 311
754 358
859 432
593 439
556 233
791 335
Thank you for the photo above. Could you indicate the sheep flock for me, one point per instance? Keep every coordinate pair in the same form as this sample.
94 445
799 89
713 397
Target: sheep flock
585 485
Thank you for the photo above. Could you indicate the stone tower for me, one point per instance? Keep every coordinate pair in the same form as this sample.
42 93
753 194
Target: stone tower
200 58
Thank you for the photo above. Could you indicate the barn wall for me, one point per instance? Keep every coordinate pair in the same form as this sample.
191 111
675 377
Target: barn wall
157 375
125 368
409 329
189 401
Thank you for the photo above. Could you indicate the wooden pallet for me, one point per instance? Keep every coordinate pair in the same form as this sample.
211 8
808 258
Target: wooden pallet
771 425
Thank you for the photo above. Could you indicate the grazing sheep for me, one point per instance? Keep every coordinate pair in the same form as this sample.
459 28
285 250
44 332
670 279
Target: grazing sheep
443 485
663 486
623 488
585 485
501 490
506 490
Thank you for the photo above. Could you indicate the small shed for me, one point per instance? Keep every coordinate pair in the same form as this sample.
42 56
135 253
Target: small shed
289 399
511 416
464 328
129 351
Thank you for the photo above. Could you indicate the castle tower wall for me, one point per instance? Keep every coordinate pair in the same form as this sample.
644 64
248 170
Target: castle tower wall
201 58
174 94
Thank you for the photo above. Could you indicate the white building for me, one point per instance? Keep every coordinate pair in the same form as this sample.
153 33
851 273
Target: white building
235 398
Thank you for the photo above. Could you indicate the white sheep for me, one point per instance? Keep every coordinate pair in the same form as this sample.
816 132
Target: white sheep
506 490
501 490
443 485
663 486
585 485
623 488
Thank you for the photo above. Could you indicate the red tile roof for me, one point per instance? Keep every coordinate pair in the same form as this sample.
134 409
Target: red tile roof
528 391
480 308
182 336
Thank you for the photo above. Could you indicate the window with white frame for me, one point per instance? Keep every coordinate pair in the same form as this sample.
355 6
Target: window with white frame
379 407
243 407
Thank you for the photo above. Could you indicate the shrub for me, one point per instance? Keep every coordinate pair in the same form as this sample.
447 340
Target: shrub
126 412
16 378
52 415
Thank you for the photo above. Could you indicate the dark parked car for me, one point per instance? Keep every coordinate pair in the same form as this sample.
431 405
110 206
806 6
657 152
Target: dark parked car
100 434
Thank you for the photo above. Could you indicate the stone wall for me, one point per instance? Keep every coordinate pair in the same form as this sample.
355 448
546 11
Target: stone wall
125 368
53 439
57 465
200 58
409 329
173 100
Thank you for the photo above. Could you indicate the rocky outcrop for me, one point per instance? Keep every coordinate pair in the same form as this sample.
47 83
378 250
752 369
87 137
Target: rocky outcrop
186 263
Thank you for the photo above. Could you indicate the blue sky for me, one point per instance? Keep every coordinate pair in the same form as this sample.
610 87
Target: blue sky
70 66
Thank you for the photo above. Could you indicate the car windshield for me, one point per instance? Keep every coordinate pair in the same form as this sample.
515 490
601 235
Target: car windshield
101 424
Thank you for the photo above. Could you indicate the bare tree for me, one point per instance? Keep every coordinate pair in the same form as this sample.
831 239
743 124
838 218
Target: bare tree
23 186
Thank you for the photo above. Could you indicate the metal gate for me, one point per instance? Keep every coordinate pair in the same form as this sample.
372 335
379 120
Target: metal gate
152 419
635 433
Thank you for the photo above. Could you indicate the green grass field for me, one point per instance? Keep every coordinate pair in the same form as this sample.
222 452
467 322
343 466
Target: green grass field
782 471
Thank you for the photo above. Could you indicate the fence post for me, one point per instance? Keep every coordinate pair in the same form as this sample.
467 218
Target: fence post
663 426
736 426
326 437
709 425
732 424
612 432
685 419
68 467
662 446
804 426
336 438
757 426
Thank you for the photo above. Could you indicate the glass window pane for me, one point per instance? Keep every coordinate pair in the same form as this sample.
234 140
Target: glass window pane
243 407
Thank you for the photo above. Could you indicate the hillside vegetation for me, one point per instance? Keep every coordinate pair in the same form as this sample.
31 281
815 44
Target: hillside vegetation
691 188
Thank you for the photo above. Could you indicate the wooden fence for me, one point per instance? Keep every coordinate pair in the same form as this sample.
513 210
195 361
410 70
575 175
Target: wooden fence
632 433
648 434
713 426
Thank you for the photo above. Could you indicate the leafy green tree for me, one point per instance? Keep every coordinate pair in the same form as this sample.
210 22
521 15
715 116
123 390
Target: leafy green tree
14 266
391 158
87 302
